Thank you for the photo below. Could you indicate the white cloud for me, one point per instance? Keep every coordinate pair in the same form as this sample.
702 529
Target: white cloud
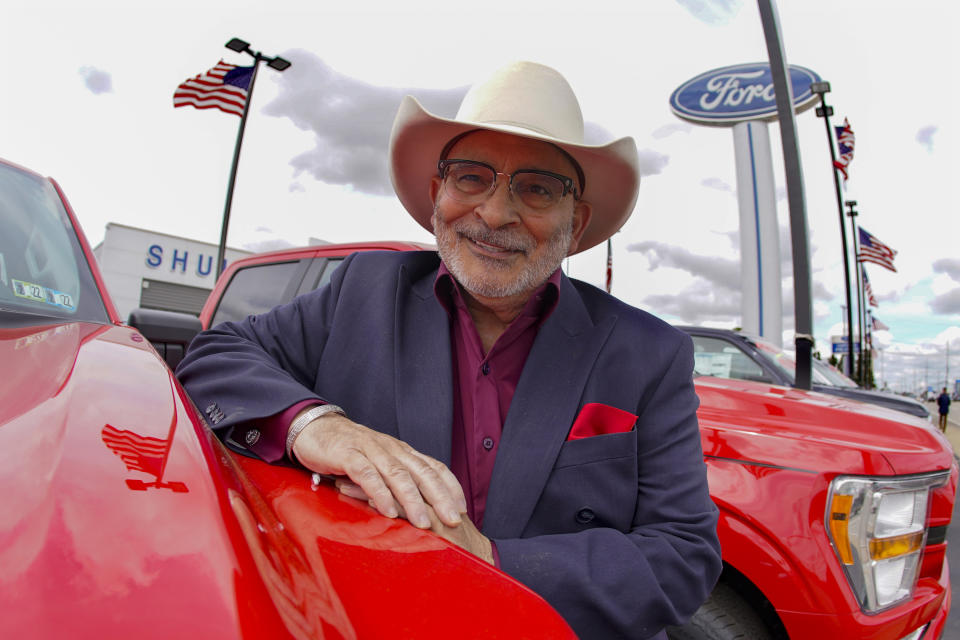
96 80
672 128
715 12
652 162
718 184
925 137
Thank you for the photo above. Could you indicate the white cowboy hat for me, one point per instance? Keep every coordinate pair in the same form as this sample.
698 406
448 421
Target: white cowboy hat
524 99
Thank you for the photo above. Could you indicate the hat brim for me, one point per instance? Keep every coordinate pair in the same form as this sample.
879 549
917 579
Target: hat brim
418 137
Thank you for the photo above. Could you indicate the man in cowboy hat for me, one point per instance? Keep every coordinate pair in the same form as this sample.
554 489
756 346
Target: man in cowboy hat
533 420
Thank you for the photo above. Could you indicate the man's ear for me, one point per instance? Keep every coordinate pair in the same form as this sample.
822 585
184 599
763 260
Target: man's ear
435 183
581 218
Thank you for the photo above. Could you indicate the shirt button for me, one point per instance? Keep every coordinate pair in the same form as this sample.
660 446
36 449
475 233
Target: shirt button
485 369
488 443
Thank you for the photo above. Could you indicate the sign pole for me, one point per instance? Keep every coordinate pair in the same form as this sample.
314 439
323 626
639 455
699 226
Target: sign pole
803 304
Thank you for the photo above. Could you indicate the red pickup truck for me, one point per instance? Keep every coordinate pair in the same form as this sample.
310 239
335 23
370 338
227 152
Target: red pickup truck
122 516
833 513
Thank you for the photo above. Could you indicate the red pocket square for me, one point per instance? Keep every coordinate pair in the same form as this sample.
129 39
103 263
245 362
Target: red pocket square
597 419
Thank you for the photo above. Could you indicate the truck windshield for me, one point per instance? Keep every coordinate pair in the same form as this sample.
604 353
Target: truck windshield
43 273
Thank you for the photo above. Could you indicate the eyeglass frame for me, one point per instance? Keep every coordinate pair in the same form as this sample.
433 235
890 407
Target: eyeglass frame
565 181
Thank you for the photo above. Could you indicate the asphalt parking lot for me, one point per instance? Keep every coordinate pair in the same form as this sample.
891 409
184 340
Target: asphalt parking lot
952 629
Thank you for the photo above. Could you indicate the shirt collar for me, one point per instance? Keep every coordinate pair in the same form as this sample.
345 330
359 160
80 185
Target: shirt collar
540 305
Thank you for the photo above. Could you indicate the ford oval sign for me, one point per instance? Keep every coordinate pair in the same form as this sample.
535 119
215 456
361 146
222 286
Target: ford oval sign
741 92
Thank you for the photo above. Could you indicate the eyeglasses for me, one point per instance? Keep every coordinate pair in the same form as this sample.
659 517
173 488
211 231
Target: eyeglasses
472 182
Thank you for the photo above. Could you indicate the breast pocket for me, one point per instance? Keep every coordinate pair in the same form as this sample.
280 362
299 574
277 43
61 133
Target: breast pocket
593 484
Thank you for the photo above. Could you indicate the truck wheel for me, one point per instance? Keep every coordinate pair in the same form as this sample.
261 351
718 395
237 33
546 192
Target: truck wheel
724 616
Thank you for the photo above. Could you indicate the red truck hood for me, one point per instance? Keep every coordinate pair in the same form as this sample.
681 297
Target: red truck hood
799 429
122 517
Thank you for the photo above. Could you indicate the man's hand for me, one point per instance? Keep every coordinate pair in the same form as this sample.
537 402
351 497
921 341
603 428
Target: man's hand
388 472
466 536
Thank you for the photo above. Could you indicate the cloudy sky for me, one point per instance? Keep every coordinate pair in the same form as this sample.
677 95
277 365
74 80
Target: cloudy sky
88 100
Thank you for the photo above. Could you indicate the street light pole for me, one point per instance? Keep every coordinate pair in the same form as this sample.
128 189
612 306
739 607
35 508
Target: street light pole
825 111
277 63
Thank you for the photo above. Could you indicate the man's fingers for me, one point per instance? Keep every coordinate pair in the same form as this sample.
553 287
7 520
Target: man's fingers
431 488
365 474
387 471
351 489
449 480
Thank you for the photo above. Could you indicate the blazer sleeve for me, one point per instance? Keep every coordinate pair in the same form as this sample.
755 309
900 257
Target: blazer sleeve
610 583
238 373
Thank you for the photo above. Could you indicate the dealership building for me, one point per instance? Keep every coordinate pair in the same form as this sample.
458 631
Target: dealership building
153 270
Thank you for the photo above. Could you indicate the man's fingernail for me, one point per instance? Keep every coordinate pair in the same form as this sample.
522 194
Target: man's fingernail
453 516
422 521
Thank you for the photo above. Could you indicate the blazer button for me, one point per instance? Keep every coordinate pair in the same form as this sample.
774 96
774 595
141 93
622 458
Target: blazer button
585 515
252 437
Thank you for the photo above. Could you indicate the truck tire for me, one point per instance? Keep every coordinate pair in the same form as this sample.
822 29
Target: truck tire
724 616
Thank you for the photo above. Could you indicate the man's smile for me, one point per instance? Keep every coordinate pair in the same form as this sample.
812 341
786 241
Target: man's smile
489 249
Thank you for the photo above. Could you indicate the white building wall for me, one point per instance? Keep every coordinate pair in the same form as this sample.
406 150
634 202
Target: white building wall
128 256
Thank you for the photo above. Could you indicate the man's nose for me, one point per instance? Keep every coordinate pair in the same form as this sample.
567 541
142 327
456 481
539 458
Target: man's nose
500 208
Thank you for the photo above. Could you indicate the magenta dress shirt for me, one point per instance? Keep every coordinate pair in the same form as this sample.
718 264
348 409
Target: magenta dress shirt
484 383
483 387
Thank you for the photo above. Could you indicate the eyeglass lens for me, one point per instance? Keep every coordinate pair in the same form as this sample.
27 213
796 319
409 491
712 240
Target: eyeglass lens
469 182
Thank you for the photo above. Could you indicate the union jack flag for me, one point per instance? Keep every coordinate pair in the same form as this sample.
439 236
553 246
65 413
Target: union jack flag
845 146
867 289
223 87
872 250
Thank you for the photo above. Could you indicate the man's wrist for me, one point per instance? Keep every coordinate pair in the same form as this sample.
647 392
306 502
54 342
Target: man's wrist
304 419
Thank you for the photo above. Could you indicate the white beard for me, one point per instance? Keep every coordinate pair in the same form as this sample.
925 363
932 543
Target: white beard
487 285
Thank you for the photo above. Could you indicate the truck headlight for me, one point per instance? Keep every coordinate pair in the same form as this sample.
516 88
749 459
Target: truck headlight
878 528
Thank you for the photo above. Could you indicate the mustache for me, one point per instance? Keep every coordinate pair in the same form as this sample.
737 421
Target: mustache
509 240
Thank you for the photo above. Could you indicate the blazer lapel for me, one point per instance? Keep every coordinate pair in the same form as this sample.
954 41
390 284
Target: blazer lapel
544 406
424 378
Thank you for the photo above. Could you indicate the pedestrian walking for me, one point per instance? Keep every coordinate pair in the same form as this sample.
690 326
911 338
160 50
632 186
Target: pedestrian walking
943 401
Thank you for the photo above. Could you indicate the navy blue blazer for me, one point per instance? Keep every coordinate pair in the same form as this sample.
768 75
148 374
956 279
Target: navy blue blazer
617 531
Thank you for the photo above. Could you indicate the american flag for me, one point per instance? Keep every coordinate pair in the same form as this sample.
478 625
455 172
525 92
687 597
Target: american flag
609 265
845 146
223 87
867 289
876 325
139 453
872 250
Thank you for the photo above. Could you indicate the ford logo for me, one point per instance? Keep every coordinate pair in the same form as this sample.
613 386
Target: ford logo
741 92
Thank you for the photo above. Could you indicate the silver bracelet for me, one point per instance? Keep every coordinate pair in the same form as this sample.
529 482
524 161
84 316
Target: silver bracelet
306 418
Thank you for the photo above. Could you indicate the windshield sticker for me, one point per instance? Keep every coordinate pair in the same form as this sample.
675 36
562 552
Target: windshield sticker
713 364
38 293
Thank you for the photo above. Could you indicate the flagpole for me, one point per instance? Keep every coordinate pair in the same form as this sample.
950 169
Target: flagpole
222 248
825 111
852 213
609 265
